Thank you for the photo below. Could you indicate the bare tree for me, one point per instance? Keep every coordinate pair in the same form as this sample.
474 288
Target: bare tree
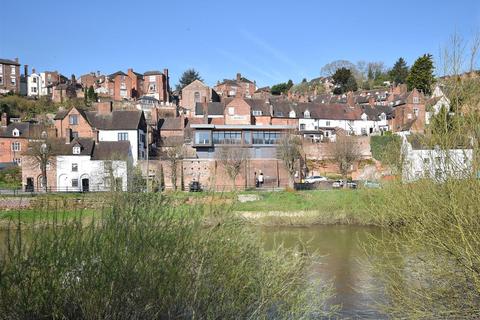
290 151
475 46
345 152
233 158
174 155
41 154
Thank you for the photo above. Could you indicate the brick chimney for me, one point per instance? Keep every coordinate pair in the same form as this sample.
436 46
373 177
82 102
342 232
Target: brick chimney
104 108
33 70
68 135
4 120
95 135
16 60
25 70
74 81
239 76
167 83
350 99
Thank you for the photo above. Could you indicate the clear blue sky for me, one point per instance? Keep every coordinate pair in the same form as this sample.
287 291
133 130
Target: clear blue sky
267 41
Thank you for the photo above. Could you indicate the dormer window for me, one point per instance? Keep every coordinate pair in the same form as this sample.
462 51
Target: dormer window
383 116
76 150
16 132
292 114
306 114
364 117
257 112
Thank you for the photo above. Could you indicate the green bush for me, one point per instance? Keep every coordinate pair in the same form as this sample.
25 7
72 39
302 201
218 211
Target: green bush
10 178
145 259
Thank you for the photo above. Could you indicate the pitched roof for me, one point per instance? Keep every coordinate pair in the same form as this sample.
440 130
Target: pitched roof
116 120
111 150
113 75
172 123
8 61
214 108
259 105
86 146
26 130
152 73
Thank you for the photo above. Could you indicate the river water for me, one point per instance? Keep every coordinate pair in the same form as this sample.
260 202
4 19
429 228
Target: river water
343 261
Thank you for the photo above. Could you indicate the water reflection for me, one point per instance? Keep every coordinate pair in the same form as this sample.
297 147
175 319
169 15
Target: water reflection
343 261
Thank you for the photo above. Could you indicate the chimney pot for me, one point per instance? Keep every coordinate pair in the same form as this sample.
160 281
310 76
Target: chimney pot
239 76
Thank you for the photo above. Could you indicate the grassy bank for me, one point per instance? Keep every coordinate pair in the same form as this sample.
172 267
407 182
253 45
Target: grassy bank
270 208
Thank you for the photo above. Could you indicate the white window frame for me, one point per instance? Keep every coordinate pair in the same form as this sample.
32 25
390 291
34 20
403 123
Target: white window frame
76 150
16 146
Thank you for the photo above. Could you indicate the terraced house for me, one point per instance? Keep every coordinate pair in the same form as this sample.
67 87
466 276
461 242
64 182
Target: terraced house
9 76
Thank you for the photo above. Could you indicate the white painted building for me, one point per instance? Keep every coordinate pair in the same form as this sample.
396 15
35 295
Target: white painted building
84 165
422 162
34 84
136 137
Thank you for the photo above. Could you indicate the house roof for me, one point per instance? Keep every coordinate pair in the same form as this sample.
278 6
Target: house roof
172 123
152 73
26 130
86 146
8 61
259 105
214 108
113 75
111 150
115 120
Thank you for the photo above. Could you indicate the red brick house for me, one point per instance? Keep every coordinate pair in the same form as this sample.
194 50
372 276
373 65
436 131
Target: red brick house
156 85
125 86
14 138
409 112
9 76
240 87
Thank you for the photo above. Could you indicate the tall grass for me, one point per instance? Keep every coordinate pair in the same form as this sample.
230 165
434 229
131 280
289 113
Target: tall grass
145 259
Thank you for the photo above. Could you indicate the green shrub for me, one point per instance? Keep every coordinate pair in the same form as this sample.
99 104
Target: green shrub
145 259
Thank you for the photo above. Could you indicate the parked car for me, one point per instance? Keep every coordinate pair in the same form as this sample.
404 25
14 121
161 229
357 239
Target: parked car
337 184
351 185
195 186
371 184
313 179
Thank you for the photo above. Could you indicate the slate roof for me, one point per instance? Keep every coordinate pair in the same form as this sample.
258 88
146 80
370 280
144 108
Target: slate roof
116 120
113 75
259 105
26 130
171 123
86 147
214 108
8 61
152 73
111 150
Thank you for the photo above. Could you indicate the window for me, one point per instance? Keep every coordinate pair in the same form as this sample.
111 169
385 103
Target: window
34 79
75 183
16 146
15 132
34 89
197 97
302 126
415 112
1 68
74 134
17 161
76 150
152 87
74 167
122 136
415 100
409 116
227 137
73 119
426 160
202 137
1 79
257 112
152 78
266 137
13 71
13 80
231 111
247 137
327 123
292 114
306 114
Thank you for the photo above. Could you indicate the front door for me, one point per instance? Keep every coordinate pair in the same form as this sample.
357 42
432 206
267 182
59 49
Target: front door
29 186
85 185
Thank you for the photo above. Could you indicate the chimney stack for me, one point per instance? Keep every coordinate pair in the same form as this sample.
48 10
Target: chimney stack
104 108
25 70
74 81
16 60
33 70
4 120
239 76
350 99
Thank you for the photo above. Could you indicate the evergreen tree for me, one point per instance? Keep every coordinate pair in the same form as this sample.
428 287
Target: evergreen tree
188 77
344 81
421 74
399 72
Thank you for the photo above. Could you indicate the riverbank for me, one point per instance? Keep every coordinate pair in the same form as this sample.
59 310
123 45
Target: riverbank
285 208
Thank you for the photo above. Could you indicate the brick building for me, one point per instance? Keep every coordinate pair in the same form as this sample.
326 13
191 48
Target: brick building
239 87
9 76
125 86
196 92
156 85
409 111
